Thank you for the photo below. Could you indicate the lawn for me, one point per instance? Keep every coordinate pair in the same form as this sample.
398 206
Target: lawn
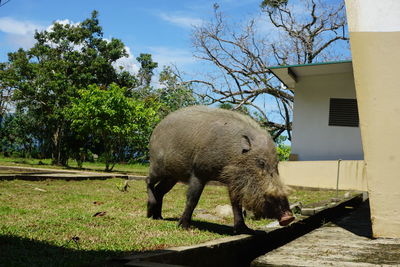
53 222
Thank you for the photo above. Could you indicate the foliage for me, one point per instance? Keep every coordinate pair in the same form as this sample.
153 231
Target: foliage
273 3
282 148
5 87
64 59
173 93
112 119
16 134
147 66
283 152
71 76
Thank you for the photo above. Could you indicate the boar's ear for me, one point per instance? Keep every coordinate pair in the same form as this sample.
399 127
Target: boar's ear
246 144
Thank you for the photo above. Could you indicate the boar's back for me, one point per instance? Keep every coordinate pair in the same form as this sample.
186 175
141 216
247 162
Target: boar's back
202 140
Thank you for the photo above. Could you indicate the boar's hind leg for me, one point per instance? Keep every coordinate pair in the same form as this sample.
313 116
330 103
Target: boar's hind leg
194 191
239 227
156 194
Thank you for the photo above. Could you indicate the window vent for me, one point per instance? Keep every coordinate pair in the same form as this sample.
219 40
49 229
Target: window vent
343 112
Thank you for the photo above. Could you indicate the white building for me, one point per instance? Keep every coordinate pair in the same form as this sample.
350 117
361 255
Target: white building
325 126
325 120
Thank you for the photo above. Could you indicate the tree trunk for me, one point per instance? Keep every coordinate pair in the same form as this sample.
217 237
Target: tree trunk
58 157
108 156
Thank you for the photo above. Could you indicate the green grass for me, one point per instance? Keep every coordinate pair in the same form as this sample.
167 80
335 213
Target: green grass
139 169
40 218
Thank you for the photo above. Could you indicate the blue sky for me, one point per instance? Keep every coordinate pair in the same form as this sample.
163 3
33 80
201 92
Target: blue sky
161 28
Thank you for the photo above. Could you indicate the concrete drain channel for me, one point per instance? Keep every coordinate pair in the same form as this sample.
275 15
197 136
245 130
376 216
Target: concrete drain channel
240 250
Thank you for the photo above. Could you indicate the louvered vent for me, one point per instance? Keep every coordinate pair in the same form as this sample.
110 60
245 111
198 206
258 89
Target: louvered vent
343 112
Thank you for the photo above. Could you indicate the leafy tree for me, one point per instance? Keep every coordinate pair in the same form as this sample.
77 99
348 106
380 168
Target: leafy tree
6 78
64 59
174 93
282 148
147 66
112 119
17 134
229 106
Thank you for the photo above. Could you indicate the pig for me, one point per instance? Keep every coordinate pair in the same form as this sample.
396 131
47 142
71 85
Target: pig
199 144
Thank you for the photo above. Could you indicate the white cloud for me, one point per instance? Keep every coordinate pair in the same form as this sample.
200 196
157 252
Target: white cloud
19 33
13 26
62 22
181 21
127 63
264 27
23 41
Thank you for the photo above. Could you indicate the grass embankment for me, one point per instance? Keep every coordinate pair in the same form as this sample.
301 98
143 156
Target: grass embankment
139 169
52 222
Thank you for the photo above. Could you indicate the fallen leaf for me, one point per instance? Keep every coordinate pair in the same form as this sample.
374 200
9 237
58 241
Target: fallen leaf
100 213
98 202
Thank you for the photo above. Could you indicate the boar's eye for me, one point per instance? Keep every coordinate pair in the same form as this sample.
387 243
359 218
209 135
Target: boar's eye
260 163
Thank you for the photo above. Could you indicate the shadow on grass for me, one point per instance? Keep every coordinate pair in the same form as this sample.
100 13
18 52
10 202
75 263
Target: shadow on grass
17 251
13 173
63 169
207 226
35 177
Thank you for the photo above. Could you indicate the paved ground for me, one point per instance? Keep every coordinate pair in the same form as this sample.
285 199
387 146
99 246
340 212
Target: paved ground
345 242
11 172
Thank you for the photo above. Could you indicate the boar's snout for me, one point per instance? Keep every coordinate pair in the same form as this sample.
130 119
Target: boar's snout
287 217
278 208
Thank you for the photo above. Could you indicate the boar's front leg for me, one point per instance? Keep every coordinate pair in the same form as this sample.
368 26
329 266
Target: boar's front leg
194 191
156 194
239 227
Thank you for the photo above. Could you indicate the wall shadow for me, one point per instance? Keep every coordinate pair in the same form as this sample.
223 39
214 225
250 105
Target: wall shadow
358 222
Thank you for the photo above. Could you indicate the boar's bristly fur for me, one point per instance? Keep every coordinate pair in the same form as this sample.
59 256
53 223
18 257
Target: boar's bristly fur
250 190
199 144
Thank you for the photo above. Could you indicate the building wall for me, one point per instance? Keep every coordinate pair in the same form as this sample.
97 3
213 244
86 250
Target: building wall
313 138
325 174
374 38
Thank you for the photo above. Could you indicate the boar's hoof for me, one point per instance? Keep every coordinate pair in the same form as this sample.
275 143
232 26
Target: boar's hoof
184 224
243 229
154 216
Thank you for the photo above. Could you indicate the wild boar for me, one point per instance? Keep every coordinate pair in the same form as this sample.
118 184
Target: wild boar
199 144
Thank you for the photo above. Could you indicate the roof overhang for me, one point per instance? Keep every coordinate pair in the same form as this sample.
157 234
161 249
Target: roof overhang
289 75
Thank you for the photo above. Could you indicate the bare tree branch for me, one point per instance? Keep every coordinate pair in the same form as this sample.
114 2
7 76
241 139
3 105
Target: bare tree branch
241 57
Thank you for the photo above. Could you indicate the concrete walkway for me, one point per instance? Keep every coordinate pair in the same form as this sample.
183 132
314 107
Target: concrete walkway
345 242
30 173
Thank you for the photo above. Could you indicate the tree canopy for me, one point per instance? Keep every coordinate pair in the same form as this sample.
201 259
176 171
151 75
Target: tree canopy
71 97
63 60
111 118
